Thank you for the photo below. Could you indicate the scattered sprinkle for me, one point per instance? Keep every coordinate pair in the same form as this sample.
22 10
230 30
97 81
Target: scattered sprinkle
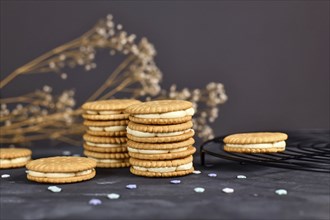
241 177
255 195
197 172
131 186
227 190
175 181
113 196
5 176
54 189
281 192
66 153
212 175
95 202
199 189
76 155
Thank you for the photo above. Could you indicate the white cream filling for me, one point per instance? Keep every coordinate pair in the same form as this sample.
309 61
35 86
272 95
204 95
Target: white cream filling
104 145
165 169
174 114
143 151
15 160
266 145
103 112
110 160
58 175
149 134
109 128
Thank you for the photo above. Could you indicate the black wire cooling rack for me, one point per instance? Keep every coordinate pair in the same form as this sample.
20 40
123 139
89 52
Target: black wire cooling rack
305 150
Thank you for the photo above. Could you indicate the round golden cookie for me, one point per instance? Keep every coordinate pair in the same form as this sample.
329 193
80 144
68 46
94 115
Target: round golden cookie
107 133
61 164
160 121
63 179
90 123
255 138
104 140
163 156
254 150
14 157
109 105
164 163
160 128
119 149
160 106
167 139
105 117
159 174
113 165
160 146
100 155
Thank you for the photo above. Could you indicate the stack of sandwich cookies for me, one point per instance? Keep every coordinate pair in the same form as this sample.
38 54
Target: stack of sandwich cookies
61 169
105 138
257 142
14 157
160 138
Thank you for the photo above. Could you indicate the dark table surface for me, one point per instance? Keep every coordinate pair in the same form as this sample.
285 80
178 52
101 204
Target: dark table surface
254 197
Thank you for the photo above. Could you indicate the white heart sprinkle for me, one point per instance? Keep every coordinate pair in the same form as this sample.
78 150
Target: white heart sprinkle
197 172
54 189
199 189
281 192
5 176
227 190
241 177
113 196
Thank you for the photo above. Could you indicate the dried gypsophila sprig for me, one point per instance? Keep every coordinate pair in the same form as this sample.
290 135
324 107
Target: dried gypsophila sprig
40 115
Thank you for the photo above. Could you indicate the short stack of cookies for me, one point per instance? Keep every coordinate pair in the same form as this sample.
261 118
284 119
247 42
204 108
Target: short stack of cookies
105 138
160 138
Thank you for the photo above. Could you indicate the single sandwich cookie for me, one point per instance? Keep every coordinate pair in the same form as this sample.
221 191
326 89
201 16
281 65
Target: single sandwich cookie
107 109
161 154
162 151
109 160
96 141
161 112
166 168
159 133
257 142
61 169
106 148
14 157
115 128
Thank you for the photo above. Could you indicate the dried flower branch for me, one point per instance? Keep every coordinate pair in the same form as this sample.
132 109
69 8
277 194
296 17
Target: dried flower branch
41 115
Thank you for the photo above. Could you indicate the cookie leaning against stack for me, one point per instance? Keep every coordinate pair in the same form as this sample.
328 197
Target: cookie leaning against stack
105 138
160 138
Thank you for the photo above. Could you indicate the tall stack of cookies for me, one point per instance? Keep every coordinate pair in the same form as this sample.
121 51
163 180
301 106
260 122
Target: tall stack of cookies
105 138
160 138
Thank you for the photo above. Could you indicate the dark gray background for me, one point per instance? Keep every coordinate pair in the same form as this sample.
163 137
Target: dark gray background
272 56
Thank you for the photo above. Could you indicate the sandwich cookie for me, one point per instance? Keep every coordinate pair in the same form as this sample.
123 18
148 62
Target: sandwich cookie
164 151
14 157
107 109
166 168
61 169
159 133
114 128
258 142
161 112
109 160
